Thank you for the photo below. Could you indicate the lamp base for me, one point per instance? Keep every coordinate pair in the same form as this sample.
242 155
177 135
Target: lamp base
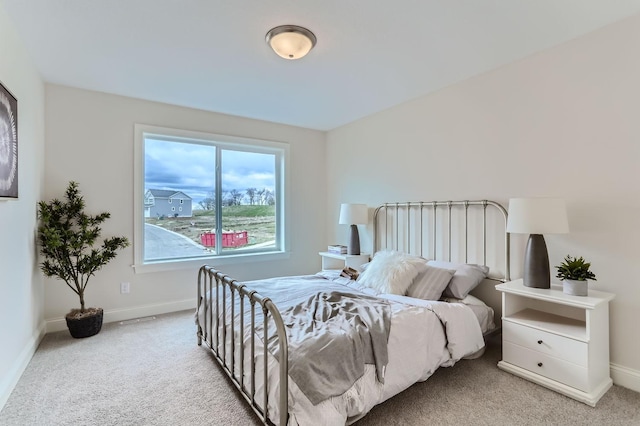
354 241
536 263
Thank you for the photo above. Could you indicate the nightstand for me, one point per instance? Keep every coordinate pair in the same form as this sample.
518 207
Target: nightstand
555 340
340 261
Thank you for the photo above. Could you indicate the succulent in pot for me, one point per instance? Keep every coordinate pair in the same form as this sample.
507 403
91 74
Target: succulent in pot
68 239
575 273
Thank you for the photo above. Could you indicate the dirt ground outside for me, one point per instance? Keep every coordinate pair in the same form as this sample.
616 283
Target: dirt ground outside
258 221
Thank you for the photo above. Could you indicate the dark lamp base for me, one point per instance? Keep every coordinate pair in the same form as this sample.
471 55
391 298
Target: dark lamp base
536 263
354 241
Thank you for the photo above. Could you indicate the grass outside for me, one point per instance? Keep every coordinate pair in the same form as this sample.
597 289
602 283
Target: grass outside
258 221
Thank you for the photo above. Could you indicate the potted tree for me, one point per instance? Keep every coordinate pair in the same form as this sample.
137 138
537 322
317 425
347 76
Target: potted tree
574 273
68 242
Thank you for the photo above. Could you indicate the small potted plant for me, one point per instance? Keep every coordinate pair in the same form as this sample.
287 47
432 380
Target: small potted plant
68 242
574 273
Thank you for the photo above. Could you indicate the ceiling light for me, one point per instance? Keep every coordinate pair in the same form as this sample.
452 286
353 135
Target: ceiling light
290 41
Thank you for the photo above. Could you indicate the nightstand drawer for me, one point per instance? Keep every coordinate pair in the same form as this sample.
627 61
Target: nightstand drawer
557 346
545 365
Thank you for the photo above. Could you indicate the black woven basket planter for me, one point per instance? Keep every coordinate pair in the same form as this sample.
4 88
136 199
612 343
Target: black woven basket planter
87 325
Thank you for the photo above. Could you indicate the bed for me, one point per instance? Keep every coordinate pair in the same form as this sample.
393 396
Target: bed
325 349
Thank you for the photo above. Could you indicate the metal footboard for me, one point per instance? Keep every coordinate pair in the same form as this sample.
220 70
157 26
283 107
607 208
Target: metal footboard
213 326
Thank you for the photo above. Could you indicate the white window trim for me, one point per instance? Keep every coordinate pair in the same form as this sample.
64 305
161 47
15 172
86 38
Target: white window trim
141 266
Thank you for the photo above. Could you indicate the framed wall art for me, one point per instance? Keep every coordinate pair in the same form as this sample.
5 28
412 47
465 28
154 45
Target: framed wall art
8 144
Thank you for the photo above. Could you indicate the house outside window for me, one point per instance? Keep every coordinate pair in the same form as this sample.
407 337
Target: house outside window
233 184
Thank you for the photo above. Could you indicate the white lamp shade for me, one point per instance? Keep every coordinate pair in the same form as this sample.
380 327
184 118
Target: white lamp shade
353 214
537 216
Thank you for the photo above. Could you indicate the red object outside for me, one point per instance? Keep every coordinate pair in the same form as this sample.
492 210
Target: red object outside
229 239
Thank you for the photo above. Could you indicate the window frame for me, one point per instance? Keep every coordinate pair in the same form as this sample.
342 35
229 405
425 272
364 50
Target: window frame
281 149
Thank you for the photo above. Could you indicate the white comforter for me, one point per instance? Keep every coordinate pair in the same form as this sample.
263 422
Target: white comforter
424 336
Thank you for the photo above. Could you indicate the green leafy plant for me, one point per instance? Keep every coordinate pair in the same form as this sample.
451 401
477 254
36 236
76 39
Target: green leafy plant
68 241
575 268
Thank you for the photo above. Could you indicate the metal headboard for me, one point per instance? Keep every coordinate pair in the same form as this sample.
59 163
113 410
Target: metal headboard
440 229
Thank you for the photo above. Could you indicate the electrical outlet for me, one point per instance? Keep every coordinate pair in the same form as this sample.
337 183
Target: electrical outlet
124 288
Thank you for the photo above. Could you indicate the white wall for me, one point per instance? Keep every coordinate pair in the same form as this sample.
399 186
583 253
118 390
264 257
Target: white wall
21 289
564 122
90 139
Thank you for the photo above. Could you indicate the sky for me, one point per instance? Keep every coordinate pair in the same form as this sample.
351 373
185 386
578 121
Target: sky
189 168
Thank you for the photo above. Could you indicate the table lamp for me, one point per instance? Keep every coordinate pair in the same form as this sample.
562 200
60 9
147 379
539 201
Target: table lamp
354 215
537 216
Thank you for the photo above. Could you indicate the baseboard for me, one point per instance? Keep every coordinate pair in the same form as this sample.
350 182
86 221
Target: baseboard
8 383
114 315
625 377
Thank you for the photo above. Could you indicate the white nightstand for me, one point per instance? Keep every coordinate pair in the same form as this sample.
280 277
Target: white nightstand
340 261
555 340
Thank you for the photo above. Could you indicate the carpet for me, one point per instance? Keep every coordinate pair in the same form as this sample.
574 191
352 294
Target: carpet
151 372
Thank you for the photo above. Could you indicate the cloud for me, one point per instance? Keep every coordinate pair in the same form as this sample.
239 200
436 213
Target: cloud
190 168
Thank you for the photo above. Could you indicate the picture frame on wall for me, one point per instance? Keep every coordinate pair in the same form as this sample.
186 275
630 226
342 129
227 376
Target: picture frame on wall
8 144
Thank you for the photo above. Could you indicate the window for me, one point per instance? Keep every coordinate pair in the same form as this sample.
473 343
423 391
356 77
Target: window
233 184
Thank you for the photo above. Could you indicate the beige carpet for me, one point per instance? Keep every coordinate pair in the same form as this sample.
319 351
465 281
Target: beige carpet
153 373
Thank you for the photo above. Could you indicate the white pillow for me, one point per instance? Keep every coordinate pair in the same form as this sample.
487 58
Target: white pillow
466 278
430 283
392 272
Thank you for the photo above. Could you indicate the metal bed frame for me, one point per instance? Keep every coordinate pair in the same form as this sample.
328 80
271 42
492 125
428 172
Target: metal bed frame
231 295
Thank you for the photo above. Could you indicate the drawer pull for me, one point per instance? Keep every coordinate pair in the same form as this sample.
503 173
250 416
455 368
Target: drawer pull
539 364
539 342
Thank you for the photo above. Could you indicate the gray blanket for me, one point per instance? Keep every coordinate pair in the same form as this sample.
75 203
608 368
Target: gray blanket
332 332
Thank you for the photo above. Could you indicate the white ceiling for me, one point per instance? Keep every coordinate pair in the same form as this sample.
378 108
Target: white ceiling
371 54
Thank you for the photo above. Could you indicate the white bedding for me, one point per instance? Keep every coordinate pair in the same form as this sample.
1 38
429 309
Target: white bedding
424 336
483 313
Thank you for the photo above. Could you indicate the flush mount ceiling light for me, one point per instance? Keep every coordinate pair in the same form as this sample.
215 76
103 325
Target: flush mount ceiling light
290 41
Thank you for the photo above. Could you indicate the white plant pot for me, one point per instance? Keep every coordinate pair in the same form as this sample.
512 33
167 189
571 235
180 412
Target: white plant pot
575 288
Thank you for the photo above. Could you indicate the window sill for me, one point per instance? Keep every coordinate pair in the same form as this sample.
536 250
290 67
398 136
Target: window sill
194 264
